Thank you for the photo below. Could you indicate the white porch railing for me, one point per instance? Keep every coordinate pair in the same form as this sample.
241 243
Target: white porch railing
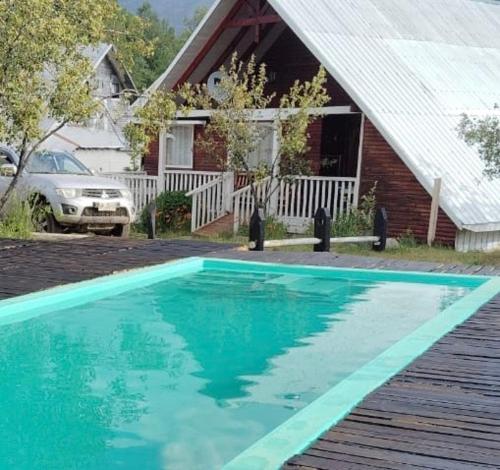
244 202
144 188
213 196
187 180
296 203
211 201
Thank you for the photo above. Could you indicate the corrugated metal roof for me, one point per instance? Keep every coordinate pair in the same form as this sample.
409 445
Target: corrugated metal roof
413 67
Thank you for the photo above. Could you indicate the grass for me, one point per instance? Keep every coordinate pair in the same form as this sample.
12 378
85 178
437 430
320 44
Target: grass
408 250
16 221
442 255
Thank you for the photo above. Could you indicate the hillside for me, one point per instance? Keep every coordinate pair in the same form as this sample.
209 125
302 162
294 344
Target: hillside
175 11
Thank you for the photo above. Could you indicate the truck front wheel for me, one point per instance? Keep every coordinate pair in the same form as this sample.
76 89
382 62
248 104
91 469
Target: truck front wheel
122 231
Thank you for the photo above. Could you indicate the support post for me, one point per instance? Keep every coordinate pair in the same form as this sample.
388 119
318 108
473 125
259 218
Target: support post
380 227
433 218
227 191
357 186
257 231
151 220
322 229
273 188
162 161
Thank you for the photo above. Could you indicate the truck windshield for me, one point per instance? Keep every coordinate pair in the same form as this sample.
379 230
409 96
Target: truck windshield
56 163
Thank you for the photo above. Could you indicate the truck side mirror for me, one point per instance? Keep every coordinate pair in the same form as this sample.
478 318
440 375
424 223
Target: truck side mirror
8 169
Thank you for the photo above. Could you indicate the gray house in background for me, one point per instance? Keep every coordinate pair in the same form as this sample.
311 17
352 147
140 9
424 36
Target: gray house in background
100 144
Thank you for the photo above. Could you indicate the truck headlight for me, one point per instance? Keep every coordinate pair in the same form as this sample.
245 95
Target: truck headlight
126 193
69 193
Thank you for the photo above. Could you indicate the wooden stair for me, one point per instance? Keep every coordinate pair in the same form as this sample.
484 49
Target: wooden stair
222 225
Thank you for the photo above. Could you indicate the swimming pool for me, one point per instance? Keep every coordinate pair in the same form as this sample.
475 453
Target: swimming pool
208 363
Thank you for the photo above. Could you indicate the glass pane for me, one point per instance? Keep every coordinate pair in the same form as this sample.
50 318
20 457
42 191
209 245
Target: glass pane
180 147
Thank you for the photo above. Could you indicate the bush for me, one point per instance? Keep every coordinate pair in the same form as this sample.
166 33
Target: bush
359 221
173 212
407 240
275 230
17 220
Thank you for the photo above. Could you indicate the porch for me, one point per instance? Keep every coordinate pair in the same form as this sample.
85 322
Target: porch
335 150
216 195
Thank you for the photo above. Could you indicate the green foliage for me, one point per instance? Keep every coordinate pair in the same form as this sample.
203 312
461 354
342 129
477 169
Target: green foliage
234 132
173 212
484 134
167 43
154 116
44 79
408 240
360 220
147 69
190 24
275 230
16 221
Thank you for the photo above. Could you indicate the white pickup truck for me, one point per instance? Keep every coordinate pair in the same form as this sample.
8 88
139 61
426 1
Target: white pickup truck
73 198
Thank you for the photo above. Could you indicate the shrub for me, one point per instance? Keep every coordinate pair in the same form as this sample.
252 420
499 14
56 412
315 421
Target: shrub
407 240
360 220
17 220
173 212
275 230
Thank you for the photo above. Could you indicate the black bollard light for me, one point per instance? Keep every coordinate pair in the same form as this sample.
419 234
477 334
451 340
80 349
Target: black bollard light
322 229
257 231
380 228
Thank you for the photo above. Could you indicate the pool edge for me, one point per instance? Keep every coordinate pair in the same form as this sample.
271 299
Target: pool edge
31 305
297 433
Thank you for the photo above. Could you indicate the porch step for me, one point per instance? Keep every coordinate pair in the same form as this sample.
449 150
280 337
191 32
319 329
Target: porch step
222 225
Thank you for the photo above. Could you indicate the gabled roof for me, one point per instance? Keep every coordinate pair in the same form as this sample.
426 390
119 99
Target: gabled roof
413 67
97 54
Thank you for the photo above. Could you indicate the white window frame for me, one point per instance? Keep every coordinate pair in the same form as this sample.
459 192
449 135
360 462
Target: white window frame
168 147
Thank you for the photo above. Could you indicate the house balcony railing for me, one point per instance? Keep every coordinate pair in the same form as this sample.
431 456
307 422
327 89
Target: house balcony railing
215 195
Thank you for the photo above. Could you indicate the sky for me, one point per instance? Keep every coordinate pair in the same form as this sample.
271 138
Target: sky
172 10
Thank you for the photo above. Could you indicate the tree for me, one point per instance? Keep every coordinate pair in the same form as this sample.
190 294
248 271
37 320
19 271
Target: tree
190 24
157 31
234 132
44 76
484 134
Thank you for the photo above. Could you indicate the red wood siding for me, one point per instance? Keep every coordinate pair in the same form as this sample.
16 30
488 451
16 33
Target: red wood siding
151 160
201 160
204 162
289 60
407 202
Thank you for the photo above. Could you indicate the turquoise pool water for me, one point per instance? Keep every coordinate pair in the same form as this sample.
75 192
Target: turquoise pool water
187 370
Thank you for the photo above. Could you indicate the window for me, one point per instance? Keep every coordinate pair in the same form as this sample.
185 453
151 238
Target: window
180 147
264 153
115 87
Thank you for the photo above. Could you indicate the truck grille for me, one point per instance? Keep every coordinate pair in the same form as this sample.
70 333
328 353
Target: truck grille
93 212
102 193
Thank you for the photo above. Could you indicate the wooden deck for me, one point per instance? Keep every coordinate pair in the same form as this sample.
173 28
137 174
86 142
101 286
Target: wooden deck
29 266
442 413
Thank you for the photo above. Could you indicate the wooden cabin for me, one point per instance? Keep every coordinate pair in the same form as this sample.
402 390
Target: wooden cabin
401 73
